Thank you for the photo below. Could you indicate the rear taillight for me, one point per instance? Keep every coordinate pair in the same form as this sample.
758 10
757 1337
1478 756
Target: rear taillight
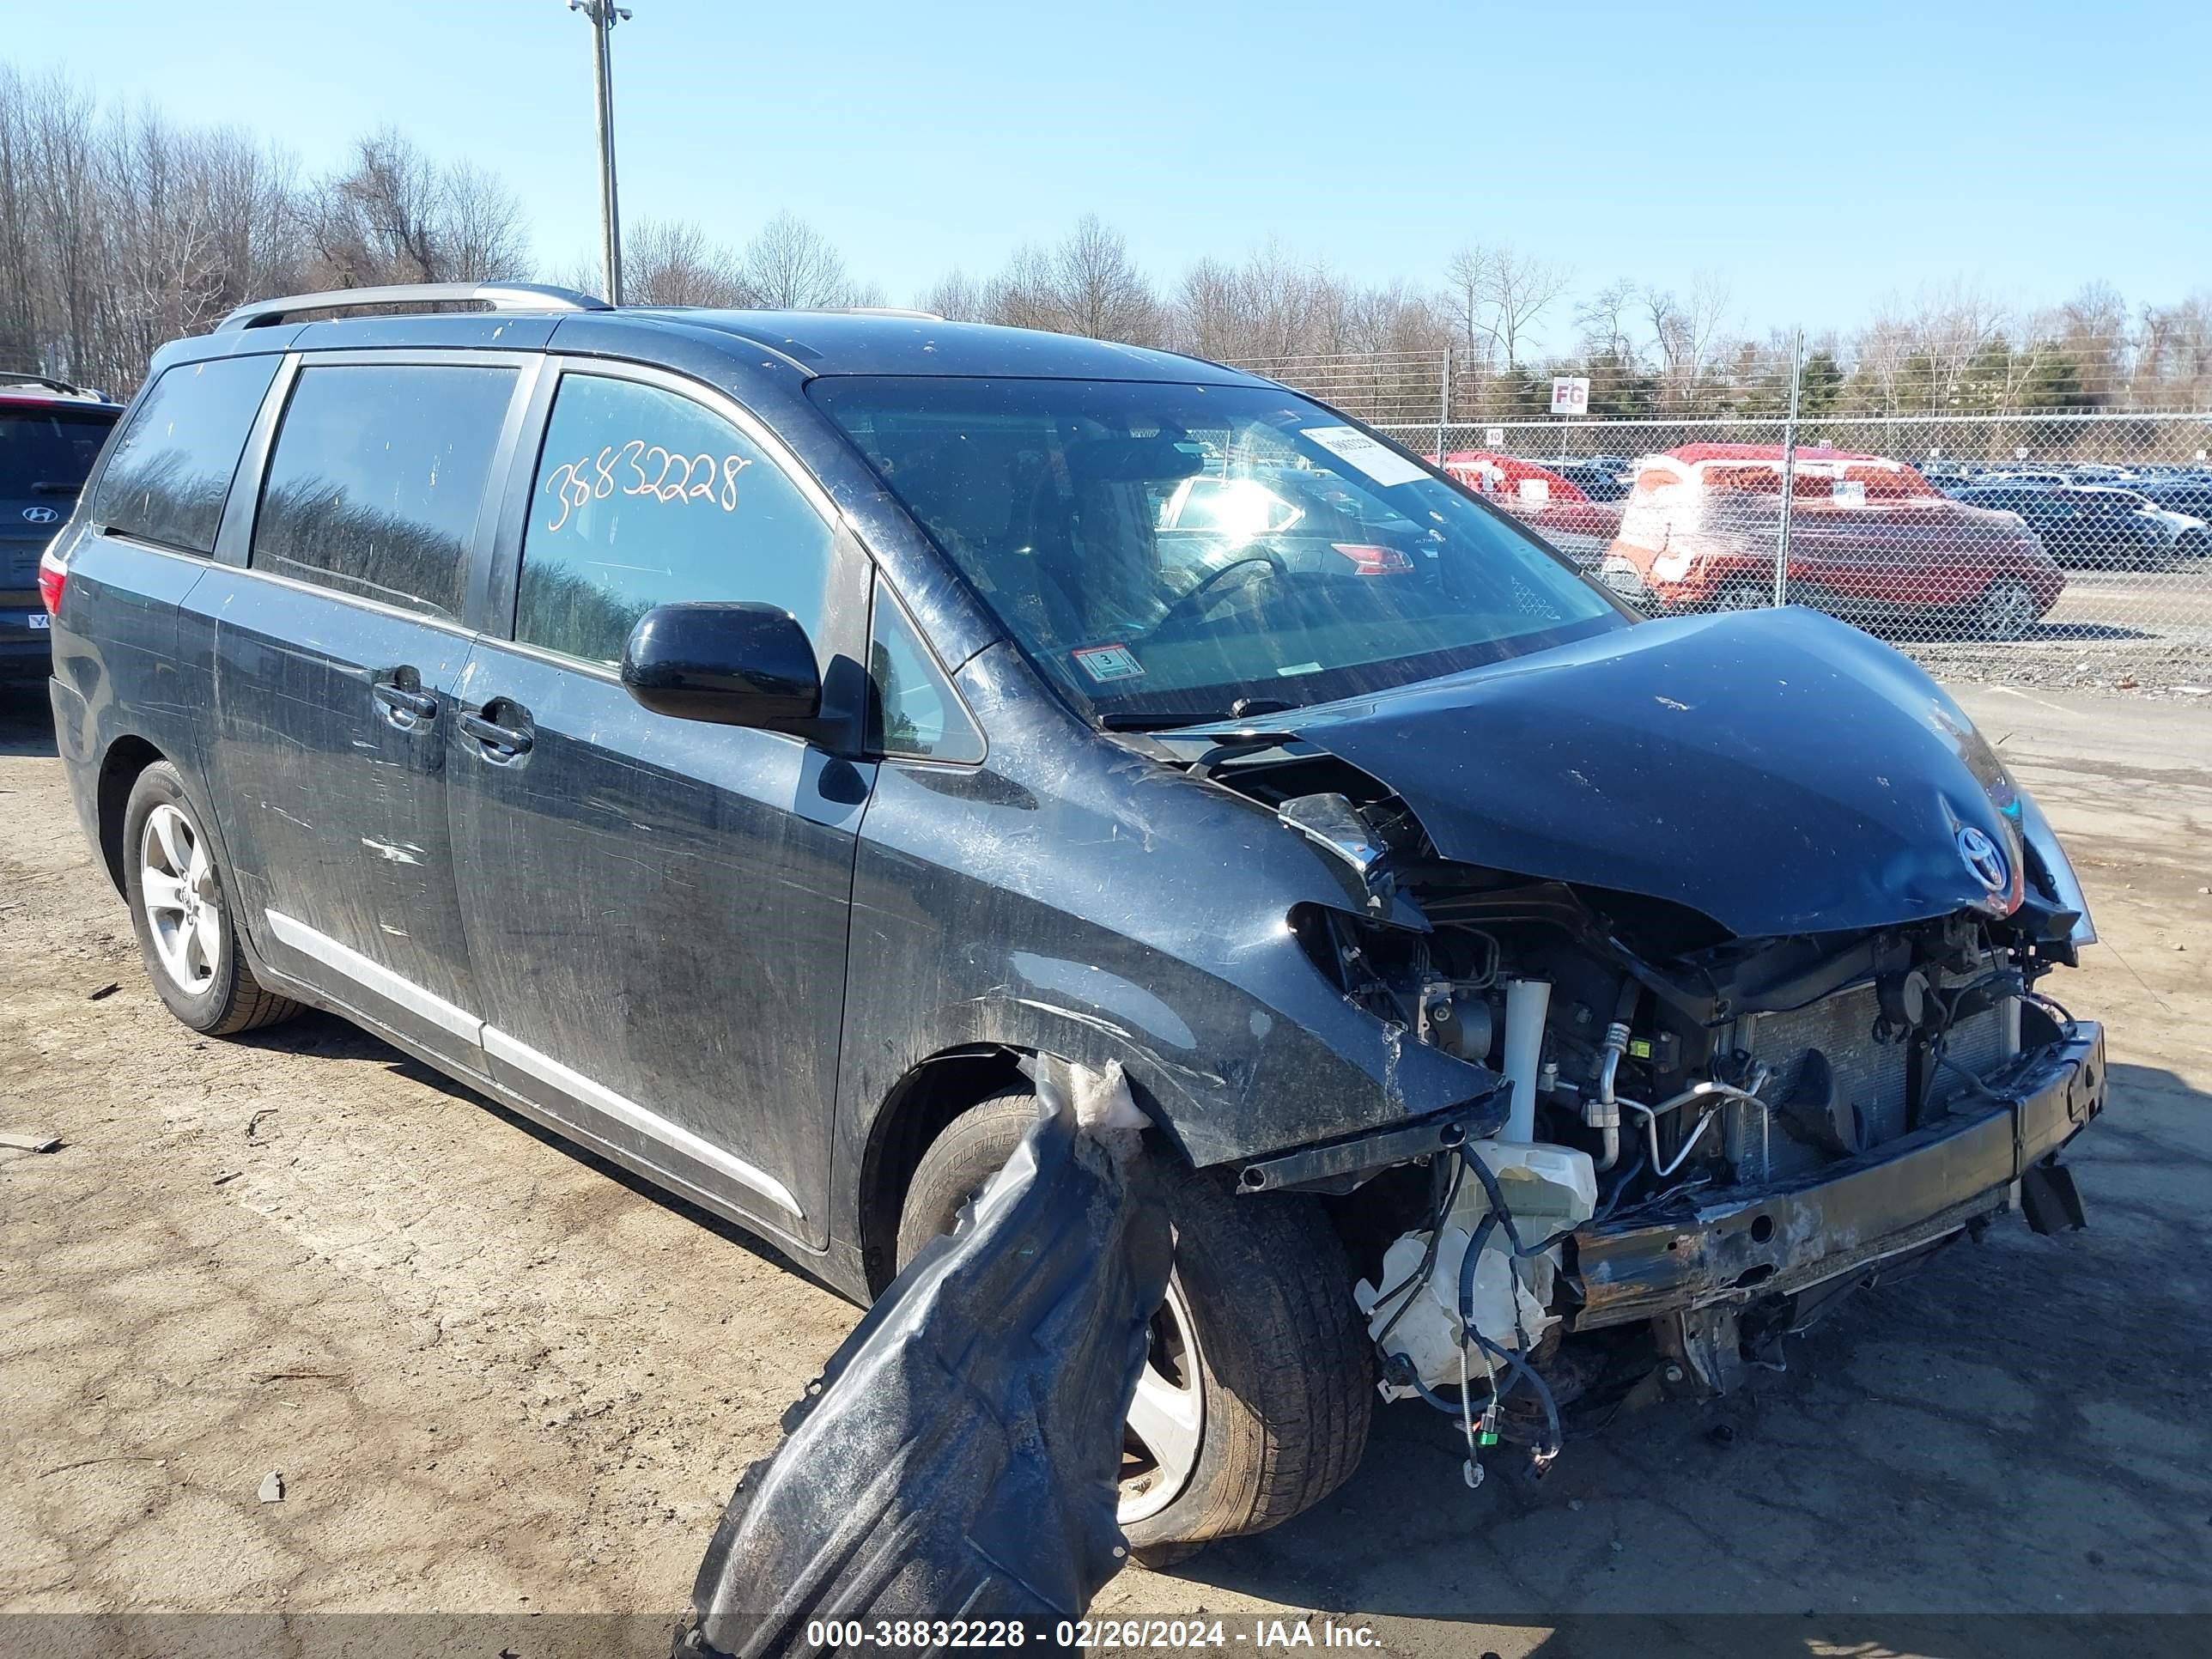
1374 561
52 574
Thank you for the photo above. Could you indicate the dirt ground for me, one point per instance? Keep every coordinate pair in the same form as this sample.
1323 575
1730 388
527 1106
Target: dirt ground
499 1380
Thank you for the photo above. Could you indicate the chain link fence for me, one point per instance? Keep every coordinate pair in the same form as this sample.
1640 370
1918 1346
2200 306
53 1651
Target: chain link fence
2051 545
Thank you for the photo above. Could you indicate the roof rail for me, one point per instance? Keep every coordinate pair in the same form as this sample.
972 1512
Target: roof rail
877 310
26 377
498 296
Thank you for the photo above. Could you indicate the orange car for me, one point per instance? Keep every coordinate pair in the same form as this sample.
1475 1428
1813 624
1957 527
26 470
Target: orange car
1871 541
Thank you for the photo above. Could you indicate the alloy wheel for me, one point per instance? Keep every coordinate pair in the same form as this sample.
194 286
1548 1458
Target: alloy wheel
1167 1419
2006 611
183 913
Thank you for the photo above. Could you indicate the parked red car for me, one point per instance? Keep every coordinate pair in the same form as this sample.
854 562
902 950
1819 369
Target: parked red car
1556 508
1871 541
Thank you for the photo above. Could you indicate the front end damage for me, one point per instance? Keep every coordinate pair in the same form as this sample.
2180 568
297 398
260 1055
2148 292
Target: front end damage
1723 1115
1708 1143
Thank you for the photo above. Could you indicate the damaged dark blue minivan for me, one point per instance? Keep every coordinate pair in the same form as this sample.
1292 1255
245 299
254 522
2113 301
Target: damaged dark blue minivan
766 747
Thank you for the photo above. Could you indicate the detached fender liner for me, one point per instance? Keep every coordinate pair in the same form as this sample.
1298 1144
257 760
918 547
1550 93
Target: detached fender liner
1917 1187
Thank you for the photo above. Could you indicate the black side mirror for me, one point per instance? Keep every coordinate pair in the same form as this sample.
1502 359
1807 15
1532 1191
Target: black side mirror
735 665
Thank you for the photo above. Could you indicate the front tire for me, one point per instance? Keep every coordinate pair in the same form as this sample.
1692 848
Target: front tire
181 911
1258 1386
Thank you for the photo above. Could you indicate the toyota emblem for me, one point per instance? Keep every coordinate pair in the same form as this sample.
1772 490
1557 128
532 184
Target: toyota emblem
1982 857
40 514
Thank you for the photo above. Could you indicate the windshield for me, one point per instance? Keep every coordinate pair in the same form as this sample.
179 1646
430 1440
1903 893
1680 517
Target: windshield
1169 552
46 451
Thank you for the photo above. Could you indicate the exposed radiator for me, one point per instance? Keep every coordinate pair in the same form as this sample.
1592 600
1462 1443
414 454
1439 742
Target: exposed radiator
1869 1074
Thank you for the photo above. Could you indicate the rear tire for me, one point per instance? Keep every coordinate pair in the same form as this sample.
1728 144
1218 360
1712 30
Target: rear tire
2006 610
1281 1364
180 908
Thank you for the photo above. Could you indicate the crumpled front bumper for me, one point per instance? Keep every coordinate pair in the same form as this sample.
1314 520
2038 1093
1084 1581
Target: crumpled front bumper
1791 1236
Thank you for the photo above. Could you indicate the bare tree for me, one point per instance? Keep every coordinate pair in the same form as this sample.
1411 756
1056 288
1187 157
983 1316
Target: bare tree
791 266
1466 288
670 262
373 222
254 194
1390 318
958 298
1085 284
160 272
1603 319
64 187
395 216
1495 295
482 234
1208 315
1957 326
1684 332
1021 296
1095 290
2173 357
2093 329
1518 289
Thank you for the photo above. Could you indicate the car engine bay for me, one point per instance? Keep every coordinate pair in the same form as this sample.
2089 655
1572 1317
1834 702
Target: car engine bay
1660 1071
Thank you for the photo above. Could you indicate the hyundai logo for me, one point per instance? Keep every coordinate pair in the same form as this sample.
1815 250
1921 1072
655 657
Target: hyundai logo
1982 857
40 514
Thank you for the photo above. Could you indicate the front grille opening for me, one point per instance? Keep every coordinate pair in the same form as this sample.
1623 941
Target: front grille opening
1869 1069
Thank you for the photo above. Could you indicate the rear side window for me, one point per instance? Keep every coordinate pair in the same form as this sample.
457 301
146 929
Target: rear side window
171 470
644 498
378 473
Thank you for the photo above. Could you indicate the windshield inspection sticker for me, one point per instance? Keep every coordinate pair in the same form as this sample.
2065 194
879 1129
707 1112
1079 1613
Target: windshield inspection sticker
1385 466
1109 662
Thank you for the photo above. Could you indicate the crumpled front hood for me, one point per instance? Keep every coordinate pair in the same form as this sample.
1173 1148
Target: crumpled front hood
1777 770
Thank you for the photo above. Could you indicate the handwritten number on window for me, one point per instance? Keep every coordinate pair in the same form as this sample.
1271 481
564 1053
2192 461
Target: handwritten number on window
672 477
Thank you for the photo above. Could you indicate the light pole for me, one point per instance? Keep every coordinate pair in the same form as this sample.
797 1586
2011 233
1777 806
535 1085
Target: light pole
603 17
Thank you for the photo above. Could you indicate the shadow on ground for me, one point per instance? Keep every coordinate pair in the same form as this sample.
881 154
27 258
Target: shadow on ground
26 719
333 1036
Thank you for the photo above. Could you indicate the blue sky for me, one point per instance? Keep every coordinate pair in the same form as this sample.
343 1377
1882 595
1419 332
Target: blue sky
1819 157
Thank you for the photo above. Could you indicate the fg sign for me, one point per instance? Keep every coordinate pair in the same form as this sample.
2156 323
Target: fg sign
1569 395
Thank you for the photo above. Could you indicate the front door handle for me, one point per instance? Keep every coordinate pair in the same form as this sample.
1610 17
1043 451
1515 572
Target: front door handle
400 694
504 738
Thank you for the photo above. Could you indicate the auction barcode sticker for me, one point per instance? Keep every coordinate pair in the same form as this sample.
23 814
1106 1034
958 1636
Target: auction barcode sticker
1109 662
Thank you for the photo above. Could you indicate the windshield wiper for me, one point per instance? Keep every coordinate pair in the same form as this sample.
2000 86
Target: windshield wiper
1145 722
51 487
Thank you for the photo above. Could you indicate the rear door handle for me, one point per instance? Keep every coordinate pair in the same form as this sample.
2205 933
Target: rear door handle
501 742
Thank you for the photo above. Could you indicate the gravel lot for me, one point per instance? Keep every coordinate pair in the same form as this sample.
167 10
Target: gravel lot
499 1380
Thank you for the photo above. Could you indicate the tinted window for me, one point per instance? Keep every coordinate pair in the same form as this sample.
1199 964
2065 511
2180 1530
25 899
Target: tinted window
171 471
913 710
644 497
378 473
46 452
